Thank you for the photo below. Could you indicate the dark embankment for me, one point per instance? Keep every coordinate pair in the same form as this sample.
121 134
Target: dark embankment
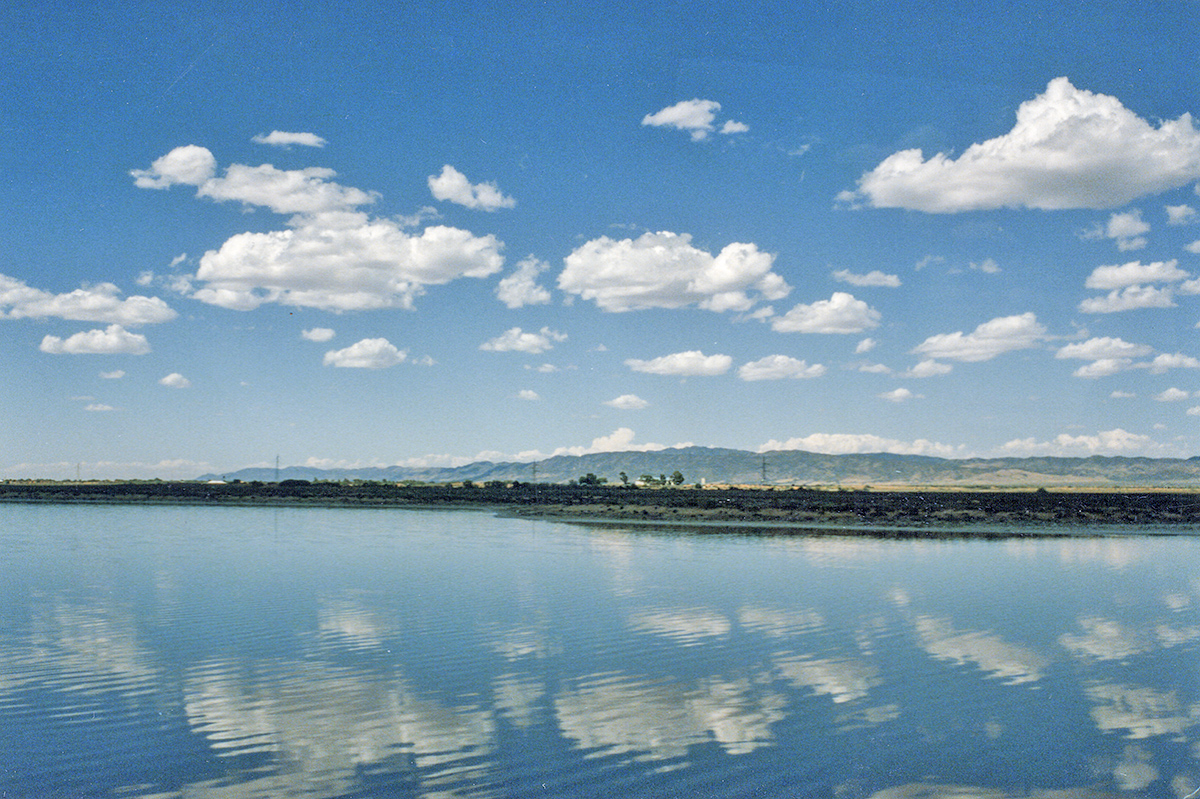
797 506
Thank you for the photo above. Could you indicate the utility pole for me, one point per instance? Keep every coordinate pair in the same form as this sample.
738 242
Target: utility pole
276 468
764 469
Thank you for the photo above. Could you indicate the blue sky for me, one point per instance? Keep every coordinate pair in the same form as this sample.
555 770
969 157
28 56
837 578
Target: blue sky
367 235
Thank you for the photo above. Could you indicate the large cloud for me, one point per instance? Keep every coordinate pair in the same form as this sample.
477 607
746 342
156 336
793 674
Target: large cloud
99 303
664 270
841 313
685 364
453 186
1000 335
362 265
1070 148
113 340
332 255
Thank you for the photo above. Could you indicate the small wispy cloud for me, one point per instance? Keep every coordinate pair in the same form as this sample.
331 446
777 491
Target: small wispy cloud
279 138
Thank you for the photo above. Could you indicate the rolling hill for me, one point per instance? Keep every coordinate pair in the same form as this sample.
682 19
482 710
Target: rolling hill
789 467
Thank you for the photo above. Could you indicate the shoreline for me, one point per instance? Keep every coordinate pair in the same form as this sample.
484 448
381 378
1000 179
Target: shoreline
915 513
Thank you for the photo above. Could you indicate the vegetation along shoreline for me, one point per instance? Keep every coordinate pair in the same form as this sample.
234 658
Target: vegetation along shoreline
847 511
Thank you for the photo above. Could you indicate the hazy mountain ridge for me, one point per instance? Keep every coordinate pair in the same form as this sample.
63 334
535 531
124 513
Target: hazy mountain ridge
787 467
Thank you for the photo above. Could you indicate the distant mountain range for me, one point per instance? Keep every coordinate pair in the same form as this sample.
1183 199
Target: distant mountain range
786 467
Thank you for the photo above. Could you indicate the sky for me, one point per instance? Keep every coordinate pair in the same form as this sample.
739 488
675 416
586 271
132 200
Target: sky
433 233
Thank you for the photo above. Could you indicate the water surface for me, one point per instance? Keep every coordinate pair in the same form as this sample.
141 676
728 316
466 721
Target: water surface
256 652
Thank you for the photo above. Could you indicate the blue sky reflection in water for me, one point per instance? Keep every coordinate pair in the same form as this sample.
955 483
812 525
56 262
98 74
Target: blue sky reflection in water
222 652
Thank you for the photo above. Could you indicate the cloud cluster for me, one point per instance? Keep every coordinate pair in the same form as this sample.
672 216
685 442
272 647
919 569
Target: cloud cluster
696 117
841 313
99 303
849 443
113 340
1000 335
1105 442
664 270
369 353
1130 286
453 186
1069 148
1107 355
331 256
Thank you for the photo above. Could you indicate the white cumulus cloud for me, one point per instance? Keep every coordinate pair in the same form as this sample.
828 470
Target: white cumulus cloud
528 394
113 340
664 270
1106 442
1173 394
516 340
841 313
1127 229
99 303
1178 360
1103 367
693 116
684 364
279 138
929 368
1095 349
318 334
898 395
872 278
453 186
115 374
1180 214
1069 148
521 287
175 380
191 165
370 353
779 367
1134 273
849 443
627 402
1130 298
1000 335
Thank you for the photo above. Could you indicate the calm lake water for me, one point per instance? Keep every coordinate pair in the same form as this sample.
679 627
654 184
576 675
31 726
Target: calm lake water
258 652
